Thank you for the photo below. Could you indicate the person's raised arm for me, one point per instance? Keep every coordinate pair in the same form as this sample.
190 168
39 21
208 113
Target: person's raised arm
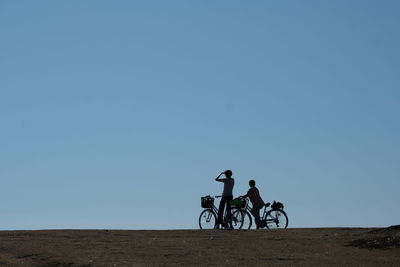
218 179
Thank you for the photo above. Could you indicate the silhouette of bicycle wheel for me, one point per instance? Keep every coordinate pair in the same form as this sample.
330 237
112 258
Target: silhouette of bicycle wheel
207 219
276 219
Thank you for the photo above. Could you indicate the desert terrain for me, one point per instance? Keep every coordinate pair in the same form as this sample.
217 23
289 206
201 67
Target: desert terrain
288 247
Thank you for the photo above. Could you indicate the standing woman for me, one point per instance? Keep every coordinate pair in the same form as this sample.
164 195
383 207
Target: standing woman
227 196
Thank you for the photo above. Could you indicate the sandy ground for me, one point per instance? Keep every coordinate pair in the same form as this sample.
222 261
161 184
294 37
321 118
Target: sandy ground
288 247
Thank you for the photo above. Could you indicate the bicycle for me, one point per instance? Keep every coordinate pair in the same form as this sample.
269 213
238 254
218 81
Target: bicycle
208 217
271 219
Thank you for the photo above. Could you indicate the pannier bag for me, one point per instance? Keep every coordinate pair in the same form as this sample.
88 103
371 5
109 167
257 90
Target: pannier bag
277 206
207 202
239 203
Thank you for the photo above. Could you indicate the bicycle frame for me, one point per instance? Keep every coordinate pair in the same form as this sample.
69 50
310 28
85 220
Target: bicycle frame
215 210
263 217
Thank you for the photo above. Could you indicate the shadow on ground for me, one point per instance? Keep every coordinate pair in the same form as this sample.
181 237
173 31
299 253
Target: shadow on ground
385 238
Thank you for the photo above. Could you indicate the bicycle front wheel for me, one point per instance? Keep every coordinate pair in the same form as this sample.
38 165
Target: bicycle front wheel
247 220
276 219
242 217
207 219
237 218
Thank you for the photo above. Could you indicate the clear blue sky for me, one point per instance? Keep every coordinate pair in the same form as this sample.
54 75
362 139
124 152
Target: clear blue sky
119 114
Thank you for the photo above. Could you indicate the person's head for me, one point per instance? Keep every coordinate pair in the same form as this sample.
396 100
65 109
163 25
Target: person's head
252 183
228 173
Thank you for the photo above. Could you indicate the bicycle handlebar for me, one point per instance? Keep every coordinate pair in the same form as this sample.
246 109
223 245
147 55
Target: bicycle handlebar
221 196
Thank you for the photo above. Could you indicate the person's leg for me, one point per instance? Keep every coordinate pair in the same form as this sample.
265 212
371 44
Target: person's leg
220 211
228 209
256 213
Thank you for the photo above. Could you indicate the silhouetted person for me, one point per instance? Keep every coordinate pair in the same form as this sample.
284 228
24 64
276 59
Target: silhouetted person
256 201
227 196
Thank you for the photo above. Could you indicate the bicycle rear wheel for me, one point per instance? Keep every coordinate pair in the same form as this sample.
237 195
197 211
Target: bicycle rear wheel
207 219
276 219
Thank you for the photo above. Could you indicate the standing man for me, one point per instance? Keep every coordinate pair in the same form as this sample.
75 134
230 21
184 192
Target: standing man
227 196
256 201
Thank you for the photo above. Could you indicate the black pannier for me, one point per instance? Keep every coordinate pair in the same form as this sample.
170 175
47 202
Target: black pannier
207 202
277 206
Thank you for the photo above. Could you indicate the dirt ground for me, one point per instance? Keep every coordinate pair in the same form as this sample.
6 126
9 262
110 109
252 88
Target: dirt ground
288 247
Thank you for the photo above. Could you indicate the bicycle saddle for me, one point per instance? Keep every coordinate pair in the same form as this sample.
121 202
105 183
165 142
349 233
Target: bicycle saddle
267 204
